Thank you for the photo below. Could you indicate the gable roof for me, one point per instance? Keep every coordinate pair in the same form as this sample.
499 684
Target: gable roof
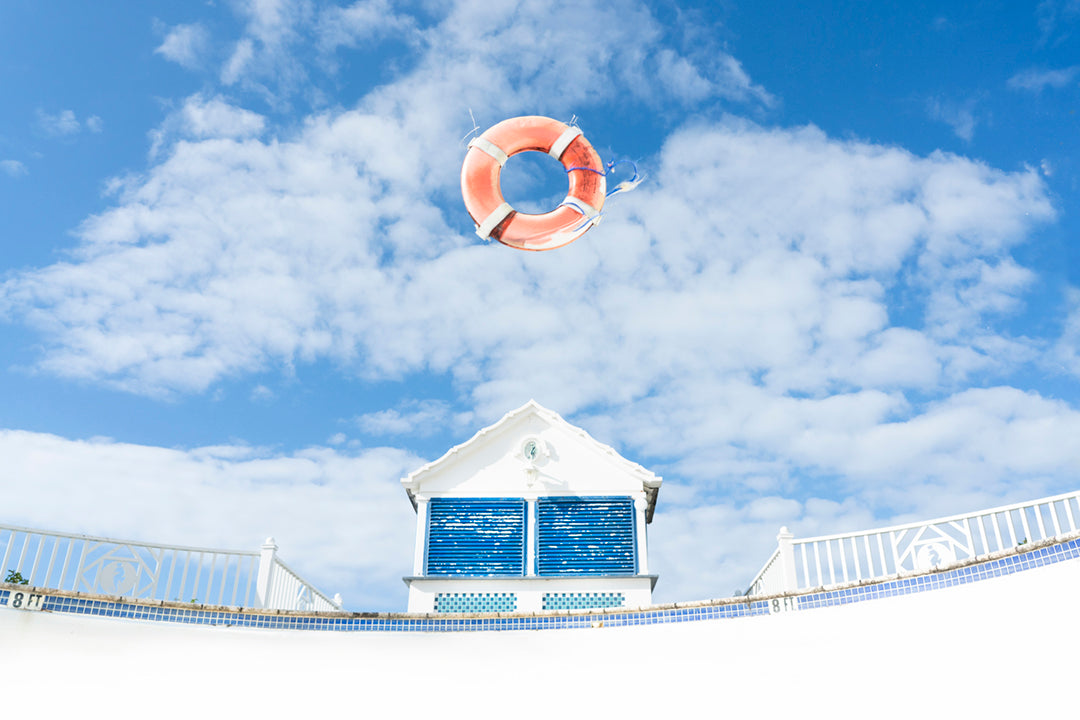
650 482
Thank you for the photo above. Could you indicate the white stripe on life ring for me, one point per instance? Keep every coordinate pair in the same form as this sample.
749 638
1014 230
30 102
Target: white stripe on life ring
492 221
490 148
563 142
582 207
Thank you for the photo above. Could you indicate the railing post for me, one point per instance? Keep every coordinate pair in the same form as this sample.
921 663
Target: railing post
787 560
266 572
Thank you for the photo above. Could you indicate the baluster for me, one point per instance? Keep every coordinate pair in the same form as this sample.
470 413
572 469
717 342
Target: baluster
843 559
1069 514
86 547
22 553
52 560
1012 528
224 579
7 553
997 530
855 556
236 582
37 558
252 573
1054 517
1037 509
982 534
198 575
828 554
1024 523
869 557
210 580
63 570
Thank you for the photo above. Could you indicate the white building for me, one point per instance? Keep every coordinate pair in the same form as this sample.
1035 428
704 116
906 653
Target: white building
531 514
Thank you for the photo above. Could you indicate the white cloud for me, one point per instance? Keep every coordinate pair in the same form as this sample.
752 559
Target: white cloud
361 22
693 84
59 124
1064 356
66 123
1036 81
977 441
416 419
235 255
342 520
238 62
262 59
476 47
261 393
185 45
202 118
13 168
960 116
1052 15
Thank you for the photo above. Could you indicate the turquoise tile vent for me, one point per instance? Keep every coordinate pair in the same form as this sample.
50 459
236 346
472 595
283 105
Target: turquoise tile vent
583 601
475 602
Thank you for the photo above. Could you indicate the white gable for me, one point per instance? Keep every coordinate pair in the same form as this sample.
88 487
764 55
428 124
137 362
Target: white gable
568 462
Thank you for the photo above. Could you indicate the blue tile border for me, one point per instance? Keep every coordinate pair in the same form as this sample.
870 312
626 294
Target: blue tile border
706 610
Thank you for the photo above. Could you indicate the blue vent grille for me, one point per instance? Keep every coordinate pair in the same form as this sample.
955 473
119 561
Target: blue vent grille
476 536
585 536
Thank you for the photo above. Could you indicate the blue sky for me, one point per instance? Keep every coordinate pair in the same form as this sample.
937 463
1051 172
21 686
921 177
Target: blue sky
241 296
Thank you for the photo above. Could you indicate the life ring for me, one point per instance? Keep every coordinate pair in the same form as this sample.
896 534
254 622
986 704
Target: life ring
495 218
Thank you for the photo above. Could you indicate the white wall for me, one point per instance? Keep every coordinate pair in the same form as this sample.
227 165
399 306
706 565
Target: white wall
996 648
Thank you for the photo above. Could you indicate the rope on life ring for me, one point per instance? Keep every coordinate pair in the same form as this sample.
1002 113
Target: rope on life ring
495 218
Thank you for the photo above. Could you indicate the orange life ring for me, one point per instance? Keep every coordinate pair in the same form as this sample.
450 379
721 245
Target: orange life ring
495 218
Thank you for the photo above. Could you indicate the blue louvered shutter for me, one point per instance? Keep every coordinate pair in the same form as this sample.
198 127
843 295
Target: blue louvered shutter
476 536
585 536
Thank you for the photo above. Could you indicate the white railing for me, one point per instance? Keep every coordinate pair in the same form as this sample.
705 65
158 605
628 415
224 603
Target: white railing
284 589
105 566
916 547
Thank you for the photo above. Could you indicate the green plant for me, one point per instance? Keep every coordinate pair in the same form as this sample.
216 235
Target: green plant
16 578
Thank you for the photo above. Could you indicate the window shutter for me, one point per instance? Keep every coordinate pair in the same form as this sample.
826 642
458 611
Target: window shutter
476 536
585 536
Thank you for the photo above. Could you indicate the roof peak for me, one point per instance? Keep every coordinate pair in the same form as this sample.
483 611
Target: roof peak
552 417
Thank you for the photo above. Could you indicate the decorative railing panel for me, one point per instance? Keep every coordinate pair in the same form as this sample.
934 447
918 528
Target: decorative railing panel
288 590
82 563
769 580
915 547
